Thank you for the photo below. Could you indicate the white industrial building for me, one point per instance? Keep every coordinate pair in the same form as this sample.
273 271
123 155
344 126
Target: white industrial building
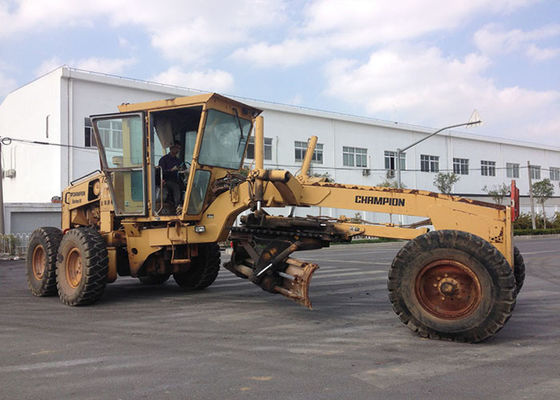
55 109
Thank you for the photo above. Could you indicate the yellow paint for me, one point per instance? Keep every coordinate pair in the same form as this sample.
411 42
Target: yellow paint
274 188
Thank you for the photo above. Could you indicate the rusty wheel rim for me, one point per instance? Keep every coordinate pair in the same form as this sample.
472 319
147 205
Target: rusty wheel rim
74 268
39 262
448 289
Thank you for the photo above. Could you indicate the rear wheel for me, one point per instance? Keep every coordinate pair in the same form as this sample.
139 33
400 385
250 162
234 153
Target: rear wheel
203 270
452 285
41 261
518 270
82 266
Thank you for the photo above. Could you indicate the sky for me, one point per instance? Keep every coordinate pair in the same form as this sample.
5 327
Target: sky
422 62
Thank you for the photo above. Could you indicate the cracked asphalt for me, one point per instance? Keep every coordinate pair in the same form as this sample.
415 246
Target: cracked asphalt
236 341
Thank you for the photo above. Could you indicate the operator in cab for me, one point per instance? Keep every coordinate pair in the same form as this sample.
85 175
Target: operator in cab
170 164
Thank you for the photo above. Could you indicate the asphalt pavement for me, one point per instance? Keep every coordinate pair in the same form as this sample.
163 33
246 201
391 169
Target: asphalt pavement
235 341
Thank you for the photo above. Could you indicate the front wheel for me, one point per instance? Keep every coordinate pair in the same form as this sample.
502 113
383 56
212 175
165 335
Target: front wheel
82 267
452 285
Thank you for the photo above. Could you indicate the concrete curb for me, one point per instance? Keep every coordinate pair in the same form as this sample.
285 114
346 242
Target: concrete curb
525 237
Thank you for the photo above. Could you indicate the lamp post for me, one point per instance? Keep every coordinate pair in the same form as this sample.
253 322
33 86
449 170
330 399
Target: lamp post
475 120
1 193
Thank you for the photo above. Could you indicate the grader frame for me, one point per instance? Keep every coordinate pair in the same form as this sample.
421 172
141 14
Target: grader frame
456 282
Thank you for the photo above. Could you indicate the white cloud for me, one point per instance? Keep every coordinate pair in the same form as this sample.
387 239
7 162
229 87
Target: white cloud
7 84
420 85
123 42
103 65
286 54
355 24
493 40
210 80
539 54
184 31
48 66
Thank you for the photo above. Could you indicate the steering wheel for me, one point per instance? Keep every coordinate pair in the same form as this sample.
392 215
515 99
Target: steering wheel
183 170
184 166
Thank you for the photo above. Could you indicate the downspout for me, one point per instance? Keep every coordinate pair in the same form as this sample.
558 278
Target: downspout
69 116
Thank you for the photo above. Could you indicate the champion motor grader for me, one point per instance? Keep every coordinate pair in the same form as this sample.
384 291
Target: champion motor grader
458 281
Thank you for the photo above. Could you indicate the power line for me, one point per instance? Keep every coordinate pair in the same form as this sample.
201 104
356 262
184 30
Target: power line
6 141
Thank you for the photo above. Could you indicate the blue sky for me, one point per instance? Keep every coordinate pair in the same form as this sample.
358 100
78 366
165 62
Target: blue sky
427 63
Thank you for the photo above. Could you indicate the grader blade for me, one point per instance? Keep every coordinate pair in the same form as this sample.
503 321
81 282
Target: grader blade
295 281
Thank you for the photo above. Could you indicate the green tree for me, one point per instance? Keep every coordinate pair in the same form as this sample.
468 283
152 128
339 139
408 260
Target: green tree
388 183
444 182
497 192
543 190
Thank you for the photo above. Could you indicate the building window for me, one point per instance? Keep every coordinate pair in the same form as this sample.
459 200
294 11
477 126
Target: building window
488 168
390 158
110 132
301 148
461 166
512 170
554 174
535 172
354 157
267 148
89 137
429 163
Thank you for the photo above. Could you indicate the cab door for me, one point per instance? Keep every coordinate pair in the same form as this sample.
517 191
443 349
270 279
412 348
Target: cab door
121 142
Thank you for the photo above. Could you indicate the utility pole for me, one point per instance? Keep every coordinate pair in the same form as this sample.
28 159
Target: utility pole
1 193
531 196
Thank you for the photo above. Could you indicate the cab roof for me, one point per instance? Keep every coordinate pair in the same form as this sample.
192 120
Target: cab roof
186 101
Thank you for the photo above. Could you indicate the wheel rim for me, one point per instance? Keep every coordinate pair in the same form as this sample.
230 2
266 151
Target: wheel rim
448 289
39 262
74 268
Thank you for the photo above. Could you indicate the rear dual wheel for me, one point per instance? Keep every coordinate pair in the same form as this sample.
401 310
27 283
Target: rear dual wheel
41 261
452 285
203 270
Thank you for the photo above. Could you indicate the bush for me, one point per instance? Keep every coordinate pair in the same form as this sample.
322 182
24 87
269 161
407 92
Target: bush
8 244
524 221
523 232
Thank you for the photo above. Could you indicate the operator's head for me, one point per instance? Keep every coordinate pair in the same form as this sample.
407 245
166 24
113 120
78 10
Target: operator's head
174 150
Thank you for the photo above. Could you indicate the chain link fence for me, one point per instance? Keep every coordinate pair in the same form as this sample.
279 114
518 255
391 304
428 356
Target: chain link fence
14 245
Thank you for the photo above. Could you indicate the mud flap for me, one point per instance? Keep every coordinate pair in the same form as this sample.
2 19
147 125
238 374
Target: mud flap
295 281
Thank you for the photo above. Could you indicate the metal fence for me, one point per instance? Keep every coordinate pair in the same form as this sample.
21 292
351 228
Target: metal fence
14 245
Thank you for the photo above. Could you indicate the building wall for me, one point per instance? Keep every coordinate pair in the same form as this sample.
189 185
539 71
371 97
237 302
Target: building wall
32 112
26 217
68 96
103 96
285 128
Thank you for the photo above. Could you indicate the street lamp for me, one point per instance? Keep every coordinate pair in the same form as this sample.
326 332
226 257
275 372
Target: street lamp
474 120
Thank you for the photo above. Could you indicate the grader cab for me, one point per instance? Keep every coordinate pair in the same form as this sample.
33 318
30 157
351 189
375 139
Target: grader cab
138 217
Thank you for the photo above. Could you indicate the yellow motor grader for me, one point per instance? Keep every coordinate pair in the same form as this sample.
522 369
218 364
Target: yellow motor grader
458 281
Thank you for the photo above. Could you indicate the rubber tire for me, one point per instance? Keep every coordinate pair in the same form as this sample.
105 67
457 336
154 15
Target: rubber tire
49 238
490 266
518 270
94 259
203 270
153 279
